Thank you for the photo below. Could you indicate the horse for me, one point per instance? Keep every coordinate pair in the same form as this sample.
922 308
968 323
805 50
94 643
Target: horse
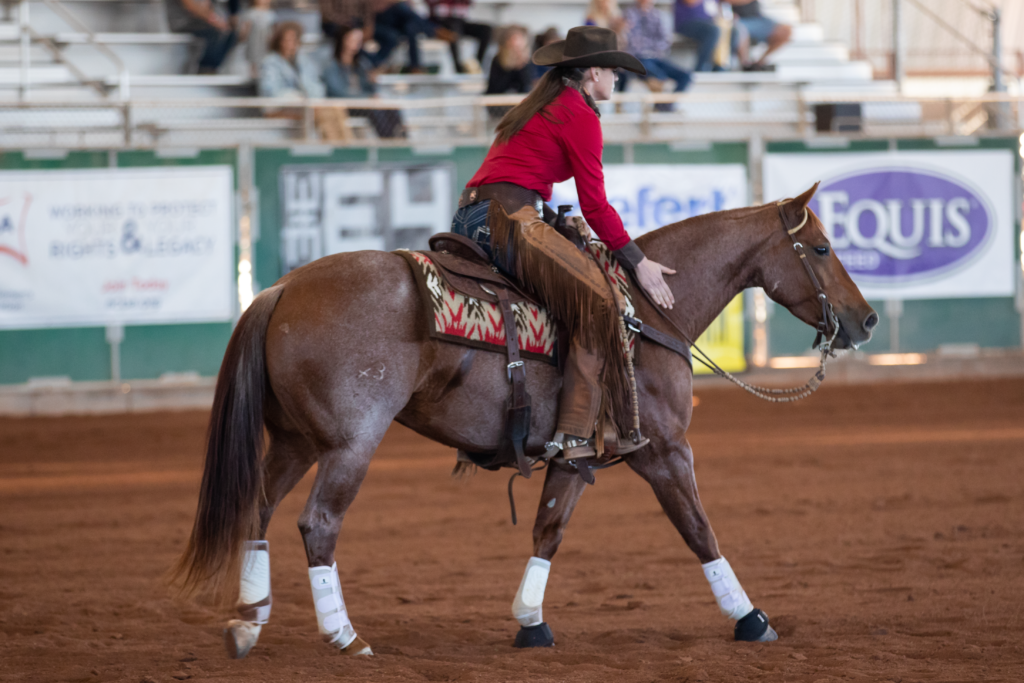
336 350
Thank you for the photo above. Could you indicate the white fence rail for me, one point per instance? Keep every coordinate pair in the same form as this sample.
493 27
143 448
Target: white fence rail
462 120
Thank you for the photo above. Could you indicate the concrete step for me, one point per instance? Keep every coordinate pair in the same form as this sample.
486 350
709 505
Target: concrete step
784 14
808 33
43 75
9 31
810 52
11 52
814 91
826 73
14 121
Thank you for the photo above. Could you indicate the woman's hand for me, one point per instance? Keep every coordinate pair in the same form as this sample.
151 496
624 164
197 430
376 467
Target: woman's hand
649 274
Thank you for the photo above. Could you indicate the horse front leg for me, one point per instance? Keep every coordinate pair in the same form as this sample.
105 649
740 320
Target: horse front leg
669 471
562 490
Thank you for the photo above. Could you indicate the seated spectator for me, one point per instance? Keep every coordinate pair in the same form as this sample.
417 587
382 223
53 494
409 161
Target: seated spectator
287 72
257 25
200 19
454 16
549 36
751 28
511 70
606 14
694 22
348 75
650 41
398 20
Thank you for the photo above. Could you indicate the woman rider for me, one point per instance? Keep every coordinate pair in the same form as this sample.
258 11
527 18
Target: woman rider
553 135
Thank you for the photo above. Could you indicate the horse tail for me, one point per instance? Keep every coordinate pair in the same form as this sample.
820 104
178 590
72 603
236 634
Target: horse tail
228 512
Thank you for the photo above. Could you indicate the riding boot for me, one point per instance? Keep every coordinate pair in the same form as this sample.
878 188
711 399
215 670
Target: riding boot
580 402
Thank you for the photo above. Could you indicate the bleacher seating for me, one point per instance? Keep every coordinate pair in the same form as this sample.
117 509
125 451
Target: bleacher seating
67 66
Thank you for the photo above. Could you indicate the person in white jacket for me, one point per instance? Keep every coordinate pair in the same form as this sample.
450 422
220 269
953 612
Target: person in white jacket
286 72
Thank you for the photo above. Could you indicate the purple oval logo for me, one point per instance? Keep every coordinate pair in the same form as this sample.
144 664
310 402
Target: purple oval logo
900 225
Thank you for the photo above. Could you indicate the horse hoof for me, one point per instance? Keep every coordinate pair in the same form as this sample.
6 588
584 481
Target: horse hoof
754 628
356 648
240 637
535 636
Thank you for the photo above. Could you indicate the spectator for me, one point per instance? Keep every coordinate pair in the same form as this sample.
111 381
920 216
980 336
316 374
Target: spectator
511 71
348 75
551 35
335 14
398 20
287 72
257 26
200 19
694 22
606 14
454 16
650 41
751 28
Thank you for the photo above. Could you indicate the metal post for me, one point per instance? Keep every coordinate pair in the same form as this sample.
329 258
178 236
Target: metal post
115 335
894 311
899 54
26 49
997 51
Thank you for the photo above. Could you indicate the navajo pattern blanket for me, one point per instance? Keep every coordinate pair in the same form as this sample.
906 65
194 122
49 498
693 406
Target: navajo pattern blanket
469 321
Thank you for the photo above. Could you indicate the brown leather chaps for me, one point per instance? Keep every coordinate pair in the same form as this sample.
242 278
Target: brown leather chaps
572 286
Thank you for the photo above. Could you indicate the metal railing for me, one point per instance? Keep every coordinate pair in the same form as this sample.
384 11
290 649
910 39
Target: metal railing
450 121
28 35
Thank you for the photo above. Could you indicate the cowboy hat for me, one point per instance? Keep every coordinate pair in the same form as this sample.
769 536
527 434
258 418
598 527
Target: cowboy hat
586 46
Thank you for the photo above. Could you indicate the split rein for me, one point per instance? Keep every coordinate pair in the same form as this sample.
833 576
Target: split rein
829 321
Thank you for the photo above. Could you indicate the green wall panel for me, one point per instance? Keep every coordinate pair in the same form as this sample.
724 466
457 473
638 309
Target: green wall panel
79 353
151 350
711 153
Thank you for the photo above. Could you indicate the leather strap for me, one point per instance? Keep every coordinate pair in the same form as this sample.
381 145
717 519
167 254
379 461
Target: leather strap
520 400
660 338
826 319
512 197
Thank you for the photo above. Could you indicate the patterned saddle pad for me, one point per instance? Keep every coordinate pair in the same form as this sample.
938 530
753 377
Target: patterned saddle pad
472 322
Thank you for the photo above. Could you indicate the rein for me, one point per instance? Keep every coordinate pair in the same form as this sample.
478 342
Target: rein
829 322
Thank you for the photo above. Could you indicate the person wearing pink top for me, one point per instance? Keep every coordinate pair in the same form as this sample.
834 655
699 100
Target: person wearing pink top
553 135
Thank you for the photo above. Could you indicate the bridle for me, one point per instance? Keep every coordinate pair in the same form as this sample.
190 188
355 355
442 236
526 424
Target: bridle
829 321
828 316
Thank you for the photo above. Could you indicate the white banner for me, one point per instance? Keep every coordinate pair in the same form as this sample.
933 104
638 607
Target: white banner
108 246
911 225
648 196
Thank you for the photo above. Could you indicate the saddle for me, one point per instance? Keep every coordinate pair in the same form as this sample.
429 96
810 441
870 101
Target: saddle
466 268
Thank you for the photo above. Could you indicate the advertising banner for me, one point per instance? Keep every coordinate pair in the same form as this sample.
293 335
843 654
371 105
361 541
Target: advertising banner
911 225
332 208
108 246
649 196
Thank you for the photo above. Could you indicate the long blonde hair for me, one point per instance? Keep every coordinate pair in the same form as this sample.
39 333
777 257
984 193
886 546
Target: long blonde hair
596 12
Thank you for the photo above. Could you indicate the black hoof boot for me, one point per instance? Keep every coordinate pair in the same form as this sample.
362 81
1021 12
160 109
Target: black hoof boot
754 628
535 636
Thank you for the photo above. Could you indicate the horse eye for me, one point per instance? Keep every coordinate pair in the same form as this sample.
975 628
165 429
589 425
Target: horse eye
823 250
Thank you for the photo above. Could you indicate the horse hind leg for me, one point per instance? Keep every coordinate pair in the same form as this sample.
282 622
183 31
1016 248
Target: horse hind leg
339 475
285 464
562 490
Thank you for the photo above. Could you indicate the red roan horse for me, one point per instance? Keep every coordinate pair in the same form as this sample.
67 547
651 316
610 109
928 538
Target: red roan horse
337 349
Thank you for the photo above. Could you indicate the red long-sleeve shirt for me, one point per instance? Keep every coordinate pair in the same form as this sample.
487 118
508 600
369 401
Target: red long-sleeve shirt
546 151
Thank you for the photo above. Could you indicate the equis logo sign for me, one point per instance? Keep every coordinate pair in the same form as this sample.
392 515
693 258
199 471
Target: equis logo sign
902 225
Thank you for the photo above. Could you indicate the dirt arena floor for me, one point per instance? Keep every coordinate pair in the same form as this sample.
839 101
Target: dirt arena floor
878 526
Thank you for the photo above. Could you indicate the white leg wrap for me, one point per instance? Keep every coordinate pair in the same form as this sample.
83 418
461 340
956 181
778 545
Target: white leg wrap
527 607
254 590
729 594
331 615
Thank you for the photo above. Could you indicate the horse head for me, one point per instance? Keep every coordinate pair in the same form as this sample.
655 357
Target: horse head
787 282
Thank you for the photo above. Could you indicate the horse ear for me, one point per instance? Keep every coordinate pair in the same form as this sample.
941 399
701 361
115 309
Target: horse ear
801 202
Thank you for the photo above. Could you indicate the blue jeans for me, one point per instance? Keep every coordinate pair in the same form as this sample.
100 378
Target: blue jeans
392 25
663 69
471 221
706 34
218 45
